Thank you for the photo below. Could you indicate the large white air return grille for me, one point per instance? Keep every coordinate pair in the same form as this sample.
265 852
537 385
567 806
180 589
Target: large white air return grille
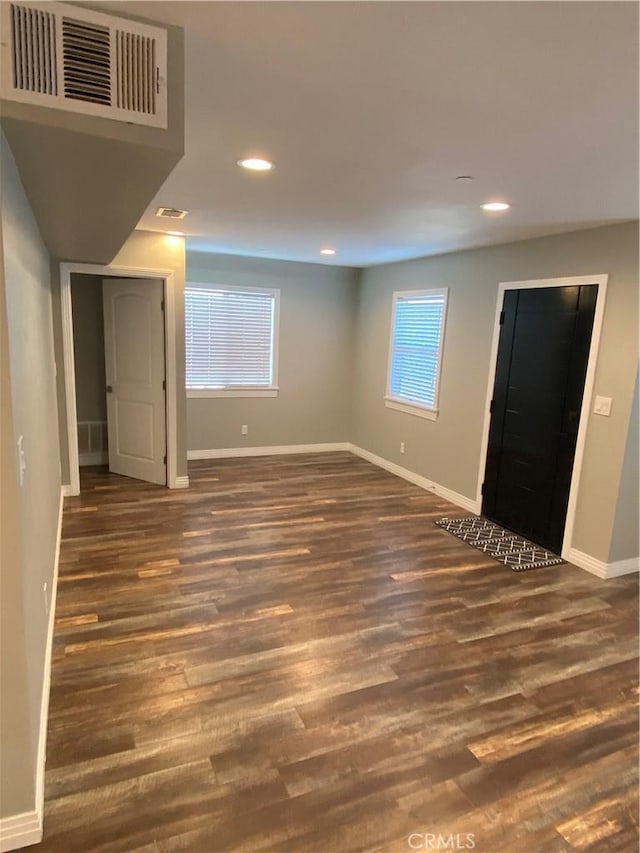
75 59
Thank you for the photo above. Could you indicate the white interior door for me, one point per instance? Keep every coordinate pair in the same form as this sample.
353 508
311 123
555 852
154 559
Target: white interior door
134 368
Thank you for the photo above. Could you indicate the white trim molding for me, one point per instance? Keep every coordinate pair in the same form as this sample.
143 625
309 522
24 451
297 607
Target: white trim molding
24 829
182 482
623 567
416 409
194 393
113 271
278 450
428 485
599 567
574 281
46 686
571 555
20 830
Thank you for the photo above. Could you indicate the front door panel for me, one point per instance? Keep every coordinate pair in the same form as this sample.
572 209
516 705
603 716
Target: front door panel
542 362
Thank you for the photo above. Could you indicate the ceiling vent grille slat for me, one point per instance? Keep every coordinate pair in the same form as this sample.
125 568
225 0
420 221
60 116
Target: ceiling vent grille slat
28 29
33 61
83 61
52 51
86 61
135 64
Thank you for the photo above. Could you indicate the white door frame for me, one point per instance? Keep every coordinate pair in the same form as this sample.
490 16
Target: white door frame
113 271
576 281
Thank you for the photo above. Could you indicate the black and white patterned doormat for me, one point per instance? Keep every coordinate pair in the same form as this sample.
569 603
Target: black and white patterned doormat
503 545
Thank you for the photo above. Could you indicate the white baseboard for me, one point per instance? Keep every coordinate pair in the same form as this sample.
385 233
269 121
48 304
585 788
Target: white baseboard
572 555
278 450
20 830
181 482
586 562
599 567
46 686
98 457
463 501
24 829
68 491
623 567
466 503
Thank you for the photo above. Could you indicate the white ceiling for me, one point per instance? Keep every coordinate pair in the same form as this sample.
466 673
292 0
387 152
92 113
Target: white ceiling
370 111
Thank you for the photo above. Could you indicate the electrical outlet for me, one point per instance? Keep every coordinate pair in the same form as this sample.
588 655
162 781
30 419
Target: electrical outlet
402 447
245 429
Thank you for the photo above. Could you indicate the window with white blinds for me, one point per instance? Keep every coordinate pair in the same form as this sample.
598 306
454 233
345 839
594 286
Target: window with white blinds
231 340
417 332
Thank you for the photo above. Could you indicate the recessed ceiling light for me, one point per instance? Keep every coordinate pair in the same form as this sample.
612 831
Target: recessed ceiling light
176 233
171 213
465 178
495 206
256 164
327 251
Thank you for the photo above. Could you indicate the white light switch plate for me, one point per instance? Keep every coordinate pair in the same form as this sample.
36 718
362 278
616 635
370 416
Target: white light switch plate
602 406
22 464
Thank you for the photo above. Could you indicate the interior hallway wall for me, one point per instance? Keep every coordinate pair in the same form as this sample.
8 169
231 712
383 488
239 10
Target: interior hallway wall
30 565
626 528
88 346
88 351
17 768
317 314
447 451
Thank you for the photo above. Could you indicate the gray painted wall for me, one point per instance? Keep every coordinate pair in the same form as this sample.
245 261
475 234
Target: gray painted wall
17 777
33 405
626 532
448 450
88 346
317 313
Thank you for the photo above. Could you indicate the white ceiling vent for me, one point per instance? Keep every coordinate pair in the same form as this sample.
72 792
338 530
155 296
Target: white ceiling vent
171 212
61 56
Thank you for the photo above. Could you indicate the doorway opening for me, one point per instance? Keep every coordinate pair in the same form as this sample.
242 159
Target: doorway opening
94 434
539 393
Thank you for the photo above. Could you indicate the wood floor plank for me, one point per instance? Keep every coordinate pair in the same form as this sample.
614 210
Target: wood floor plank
291 656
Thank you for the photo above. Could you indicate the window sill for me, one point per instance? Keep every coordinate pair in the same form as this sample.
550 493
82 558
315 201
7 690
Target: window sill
411 409
232 392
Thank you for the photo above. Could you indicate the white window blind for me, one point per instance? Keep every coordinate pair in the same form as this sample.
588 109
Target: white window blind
416 347
230 338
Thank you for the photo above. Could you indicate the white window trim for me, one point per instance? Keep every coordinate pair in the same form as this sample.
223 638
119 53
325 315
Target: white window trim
244 392
404 404
271 391
417 409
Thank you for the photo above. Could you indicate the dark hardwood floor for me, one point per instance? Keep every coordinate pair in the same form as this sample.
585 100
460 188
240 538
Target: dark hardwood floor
291 656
